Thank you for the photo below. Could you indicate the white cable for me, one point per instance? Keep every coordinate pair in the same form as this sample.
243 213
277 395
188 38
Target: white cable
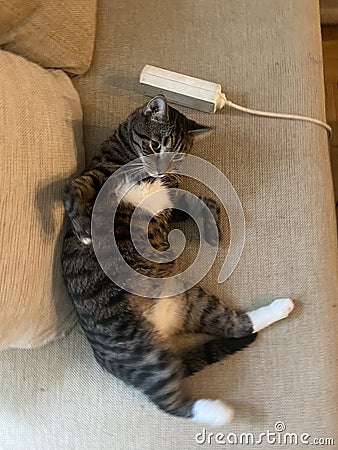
277 115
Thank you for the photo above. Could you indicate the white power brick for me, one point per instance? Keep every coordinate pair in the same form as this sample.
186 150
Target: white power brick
182 89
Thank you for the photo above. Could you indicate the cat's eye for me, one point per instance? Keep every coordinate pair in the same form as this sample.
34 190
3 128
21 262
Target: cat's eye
178 156
155 145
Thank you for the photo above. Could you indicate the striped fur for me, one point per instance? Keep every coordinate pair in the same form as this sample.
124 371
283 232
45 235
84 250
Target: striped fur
131 336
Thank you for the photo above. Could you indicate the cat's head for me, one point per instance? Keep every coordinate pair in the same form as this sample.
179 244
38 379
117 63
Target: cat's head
157 128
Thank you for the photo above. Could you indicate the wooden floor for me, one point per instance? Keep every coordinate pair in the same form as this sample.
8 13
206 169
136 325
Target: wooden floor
330 52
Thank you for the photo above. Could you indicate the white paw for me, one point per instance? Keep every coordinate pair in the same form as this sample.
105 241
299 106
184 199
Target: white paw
282 307
267 315
86 241
212 412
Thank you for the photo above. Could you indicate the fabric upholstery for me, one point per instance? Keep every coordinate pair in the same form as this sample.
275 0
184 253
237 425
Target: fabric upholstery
40 135
53 34
266 54
14 12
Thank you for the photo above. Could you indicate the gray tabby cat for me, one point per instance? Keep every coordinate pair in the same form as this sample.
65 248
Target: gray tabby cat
132 336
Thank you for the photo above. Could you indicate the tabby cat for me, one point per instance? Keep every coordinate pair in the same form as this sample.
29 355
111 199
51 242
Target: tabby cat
132 336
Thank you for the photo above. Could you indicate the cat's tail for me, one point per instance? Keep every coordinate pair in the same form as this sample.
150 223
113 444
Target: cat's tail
213 351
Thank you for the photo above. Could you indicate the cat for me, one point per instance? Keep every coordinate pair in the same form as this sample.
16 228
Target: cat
132 336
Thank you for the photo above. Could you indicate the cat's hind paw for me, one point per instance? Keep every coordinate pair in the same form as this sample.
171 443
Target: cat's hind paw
277 310
212 412
282 307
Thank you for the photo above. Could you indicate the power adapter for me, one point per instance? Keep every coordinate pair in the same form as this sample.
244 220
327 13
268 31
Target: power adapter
201 94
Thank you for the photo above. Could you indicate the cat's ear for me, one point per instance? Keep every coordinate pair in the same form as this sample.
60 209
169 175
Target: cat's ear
196 129
157 108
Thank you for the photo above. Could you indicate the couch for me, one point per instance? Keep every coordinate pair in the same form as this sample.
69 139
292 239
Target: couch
79 84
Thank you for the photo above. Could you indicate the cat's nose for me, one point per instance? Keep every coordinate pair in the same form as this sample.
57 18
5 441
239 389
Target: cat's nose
162 166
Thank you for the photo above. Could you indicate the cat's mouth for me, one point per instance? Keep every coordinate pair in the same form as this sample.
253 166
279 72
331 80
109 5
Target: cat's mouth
162 168
156 175
156 170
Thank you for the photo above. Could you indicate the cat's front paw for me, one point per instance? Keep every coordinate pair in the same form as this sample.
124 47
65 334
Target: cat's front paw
213 207
86 240
78 211
210 235
82 231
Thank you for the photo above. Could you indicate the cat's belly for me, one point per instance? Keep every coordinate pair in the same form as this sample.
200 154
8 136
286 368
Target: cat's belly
167 315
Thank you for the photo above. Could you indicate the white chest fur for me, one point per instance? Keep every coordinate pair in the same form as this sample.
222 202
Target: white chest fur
143 192
166 316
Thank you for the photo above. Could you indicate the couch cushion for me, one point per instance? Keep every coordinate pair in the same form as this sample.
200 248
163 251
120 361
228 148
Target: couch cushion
14 12
40 135
50 33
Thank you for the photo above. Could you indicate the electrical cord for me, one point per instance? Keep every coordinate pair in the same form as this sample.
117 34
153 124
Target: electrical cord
225 101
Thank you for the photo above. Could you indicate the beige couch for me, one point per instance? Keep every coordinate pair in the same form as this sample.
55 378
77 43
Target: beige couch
266 54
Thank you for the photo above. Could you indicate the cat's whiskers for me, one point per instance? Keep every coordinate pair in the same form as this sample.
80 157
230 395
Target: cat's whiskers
133 173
